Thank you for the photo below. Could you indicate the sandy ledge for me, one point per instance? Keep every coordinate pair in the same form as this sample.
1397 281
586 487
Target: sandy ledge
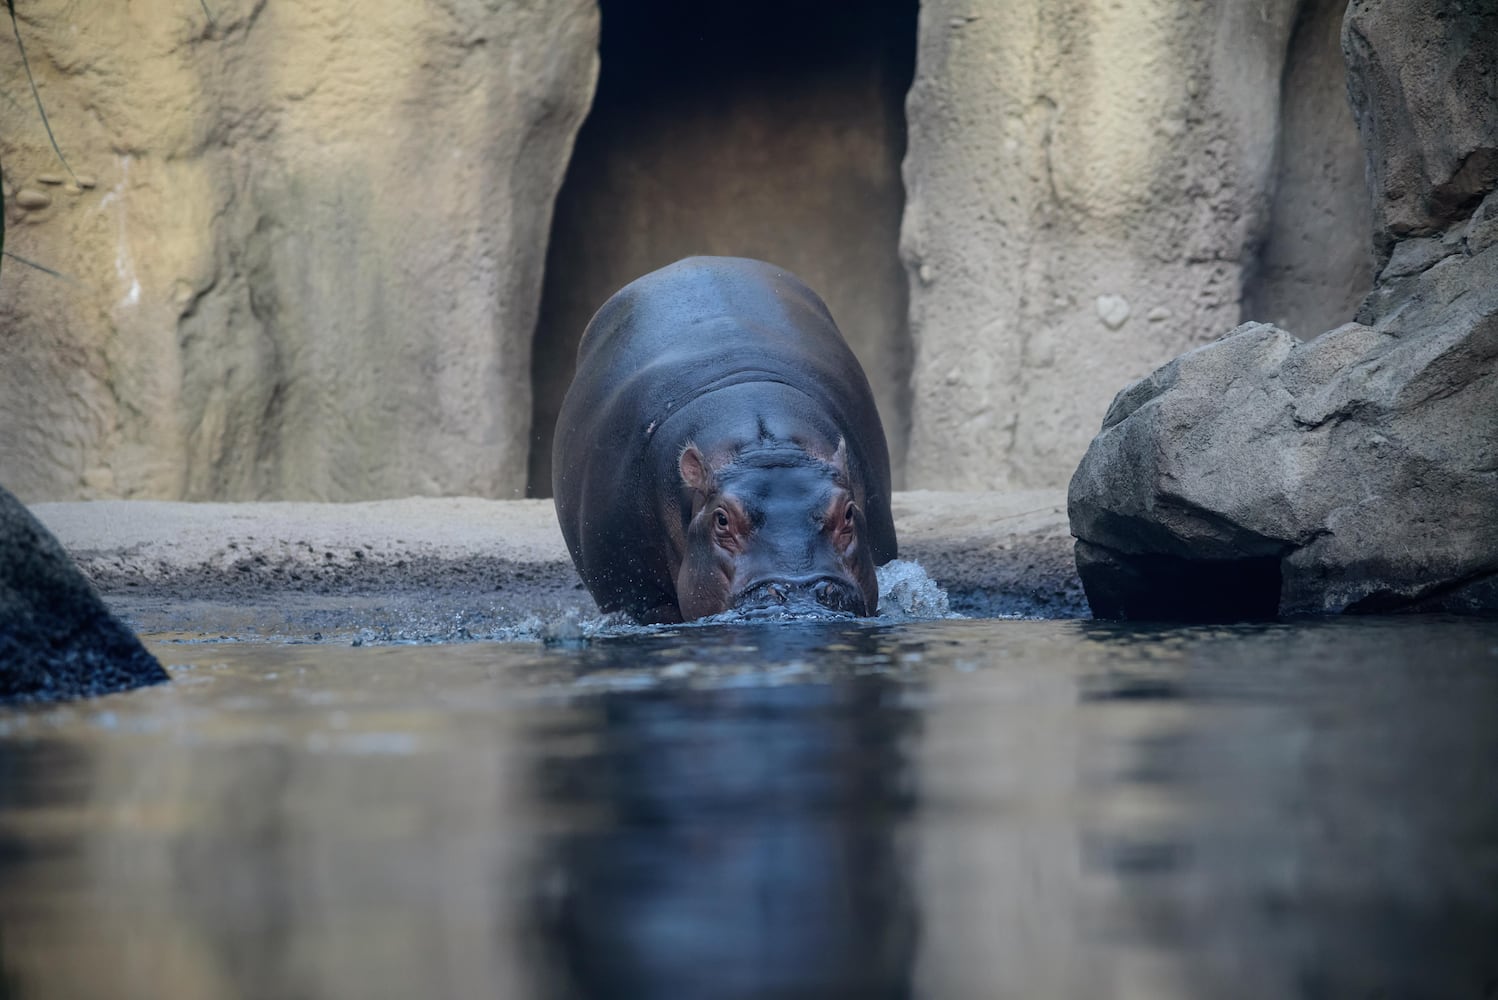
458 567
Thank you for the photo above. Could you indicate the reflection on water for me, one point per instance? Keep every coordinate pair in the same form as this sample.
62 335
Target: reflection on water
950 809
738 841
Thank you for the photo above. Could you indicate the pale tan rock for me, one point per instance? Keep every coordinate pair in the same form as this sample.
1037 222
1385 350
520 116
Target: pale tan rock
1113 310
310 263
1060 154
357 196
32 199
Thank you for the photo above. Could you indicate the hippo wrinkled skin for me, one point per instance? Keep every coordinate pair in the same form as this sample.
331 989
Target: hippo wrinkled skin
719 449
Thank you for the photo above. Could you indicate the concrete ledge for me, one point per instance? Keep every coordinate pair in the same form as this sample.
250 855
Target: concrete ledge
438 567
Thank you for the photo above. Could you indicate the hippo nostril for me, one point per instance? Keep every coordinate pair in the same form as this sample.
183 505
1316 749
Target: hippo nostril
834 595
780 592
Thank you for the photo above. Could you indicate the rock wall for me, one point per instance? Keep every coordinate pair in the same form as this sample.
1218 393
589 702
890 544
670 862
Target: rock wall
308 255
1089 215
1261 476
305 256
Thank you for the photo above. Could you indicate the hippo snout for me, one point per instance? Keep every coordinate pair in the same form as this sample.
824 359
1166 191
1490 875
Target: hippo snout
828 592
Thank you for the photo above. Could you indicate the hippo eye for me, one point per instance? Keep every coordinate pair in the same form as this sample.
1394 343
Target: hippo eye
848 513
722 517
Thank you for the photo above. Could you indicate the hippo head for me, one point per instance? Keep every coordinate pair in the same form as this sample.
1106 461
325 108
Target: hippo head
773 525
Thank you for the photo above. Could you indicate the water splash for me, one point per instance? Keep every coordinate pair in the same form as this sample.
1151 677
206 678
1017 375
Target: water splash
907 593
574 628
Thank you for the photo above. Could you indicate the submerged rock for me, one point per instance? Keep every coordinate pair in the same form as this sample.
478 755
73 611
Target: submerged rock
57 640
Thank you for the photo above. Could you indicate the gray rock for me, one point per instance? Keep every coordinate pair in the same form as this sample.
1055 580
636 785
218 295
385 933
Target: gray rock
1422 76
1482 228
1357 471
57 640
1415 255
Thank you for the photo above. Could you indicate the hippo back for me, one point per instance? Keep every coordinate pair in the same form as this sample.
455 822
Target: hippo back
699 347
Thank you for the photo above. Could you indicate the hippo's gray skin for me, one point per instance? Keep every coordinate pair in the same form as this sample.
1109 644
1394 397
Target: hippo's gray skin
719 448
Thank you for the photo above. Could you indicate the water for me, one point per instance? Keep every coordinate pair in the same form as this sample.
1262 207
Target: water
939 809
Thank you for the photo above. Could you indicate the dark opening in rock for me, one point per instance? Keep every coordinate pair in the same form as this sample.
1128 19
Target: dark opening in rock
771 130
1169 588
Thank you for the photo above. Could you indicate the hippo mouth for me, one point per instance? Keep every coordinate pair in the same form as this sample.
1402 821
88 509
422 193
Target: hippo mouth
821 595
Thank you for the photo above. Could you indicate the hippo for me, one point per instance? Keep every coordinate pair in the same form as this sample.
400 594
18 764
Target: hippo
718 449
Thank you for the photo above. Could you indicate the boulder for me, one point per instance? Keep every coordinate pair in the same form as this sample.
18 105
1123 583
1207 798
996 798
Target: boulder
1359 471
1261 475
57 640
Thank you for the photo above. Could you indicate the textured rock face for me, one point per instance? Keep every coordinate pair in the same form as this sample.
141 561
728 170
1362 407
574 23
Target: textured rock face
1260 475
307 256
309 251
1423 77
1084 187
1358 471
57 640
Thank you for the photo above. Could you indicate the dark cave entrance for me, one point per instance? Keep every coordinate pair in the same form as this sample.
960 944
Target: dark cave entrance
773 130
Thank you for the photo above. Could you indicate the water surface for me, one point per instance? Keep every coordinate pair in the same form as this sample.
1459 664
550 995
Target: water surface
941 809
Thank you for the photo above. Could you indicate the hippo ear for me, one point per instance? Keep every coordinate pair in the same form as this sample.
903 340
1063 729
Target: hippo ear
839 459
696 475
